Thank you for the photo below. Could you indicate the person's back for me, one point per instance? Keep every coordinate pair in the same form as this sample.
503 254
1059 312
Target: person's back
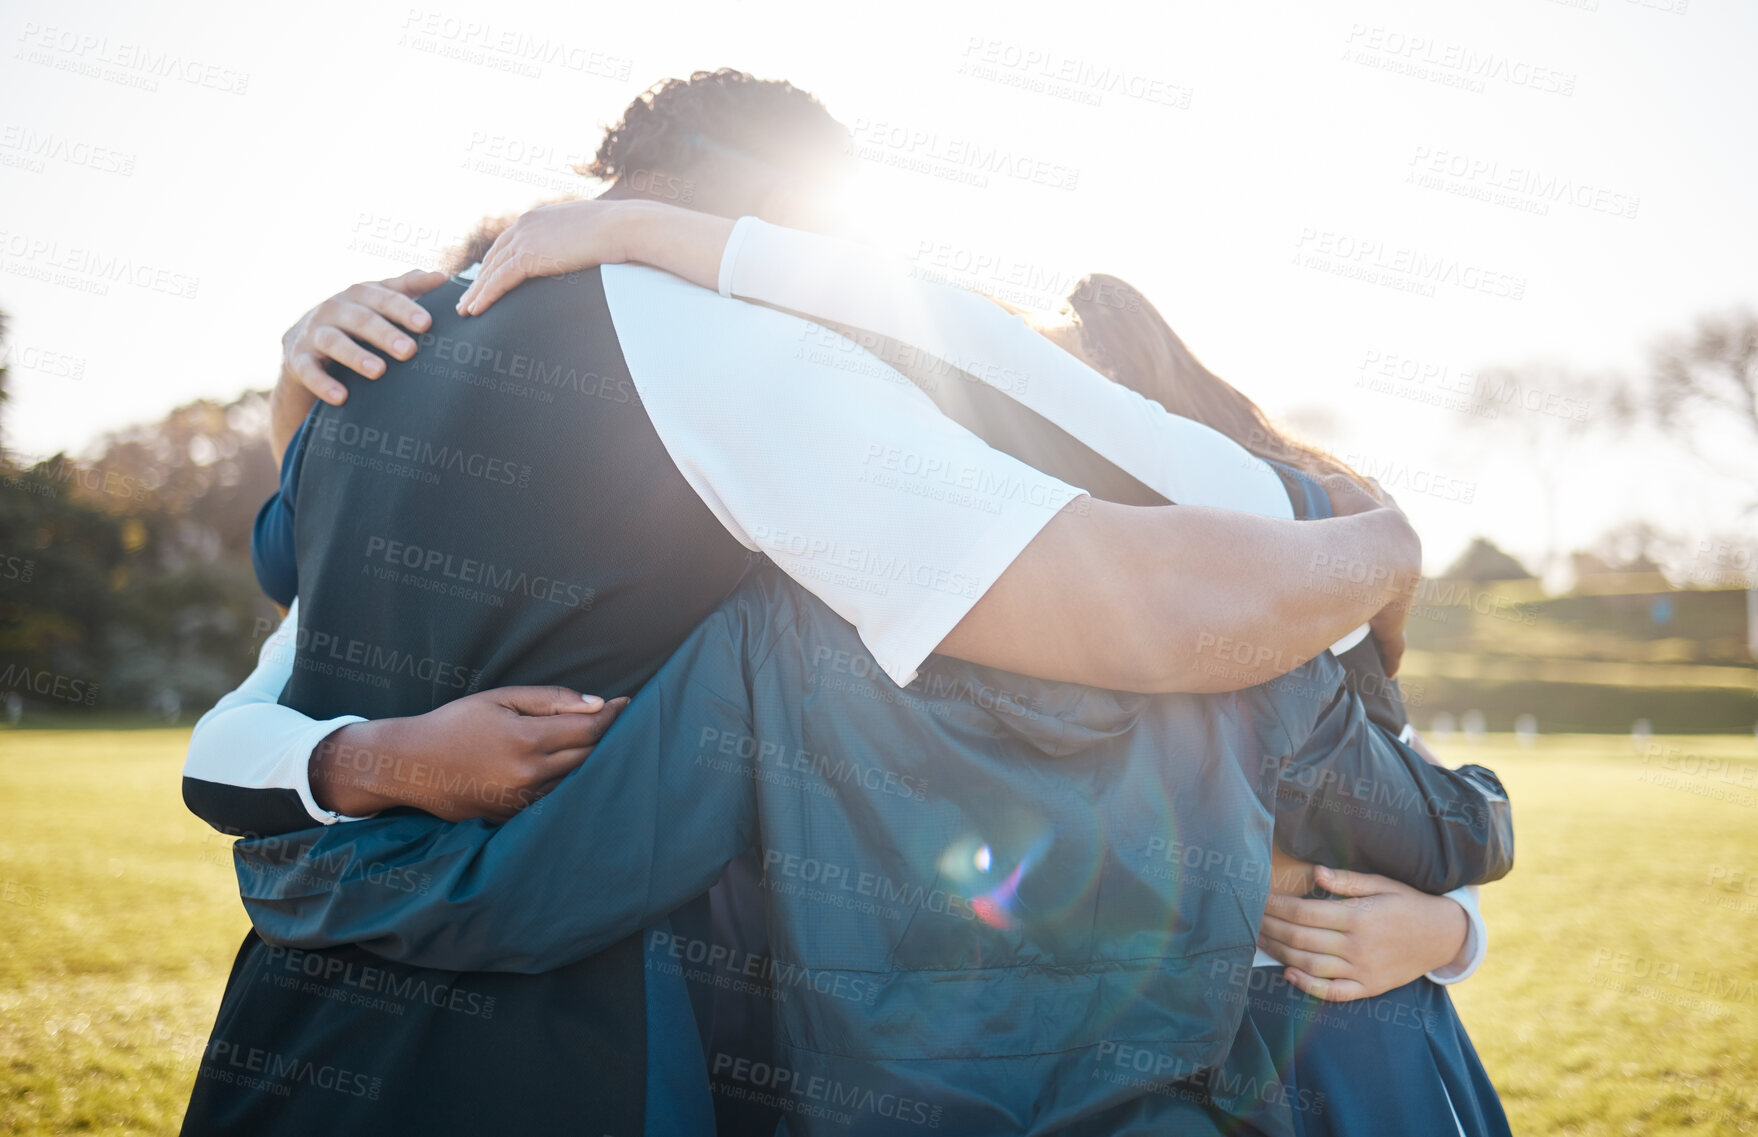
967 898
496 512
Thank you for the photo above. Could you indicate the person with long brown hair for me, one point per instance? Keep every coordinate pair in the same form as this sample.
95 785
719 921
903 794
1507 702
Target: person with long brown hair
1116 329
1345 1057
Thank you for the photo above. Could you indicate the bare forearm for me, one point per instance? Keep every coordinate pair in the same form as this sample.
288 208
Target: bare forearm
489 754
1181 598
367 767
1433 934
1247 599
683 242
341 769
289 403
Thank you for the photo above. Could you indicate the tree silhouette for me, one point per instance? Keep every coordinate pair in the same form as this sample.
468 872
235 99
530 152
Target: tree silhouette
1702 390
125 581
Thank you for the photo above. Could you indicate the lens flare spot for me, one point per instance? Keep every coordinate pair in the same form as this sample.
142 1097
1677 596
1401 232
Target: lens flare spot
990 912
966 859
996 907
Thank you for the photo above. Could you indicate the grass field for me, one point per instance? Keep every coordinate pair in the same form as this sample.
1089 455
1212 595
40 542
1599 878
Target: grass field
1620 997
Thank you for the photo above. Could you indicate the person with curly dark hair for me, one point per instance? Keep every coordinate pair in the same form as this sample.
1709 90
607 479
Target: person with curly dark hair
722 142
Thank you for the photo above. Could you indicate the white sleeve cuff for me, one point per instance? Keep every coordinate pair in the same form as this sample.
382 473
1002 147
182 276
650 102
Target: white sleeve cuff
1349 640
300 766
1471 956
250 742
729 257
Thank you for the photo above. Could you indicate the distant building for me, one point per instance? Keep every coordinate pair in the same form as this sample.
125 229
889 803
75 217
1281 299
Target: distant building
1484 561
1592 564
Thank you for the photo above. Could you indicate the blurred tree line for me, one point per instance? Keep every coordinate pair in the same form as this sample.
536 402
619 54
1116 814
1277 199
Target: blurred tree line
125 579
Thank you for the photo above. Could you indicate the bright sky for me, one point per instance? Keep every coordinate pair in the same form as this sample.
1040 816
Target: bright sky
1347 209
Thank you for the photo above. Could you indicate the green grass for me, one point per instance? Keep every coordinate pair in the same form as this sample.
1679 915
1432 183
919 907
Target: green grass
119 920
119 914
1623 853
